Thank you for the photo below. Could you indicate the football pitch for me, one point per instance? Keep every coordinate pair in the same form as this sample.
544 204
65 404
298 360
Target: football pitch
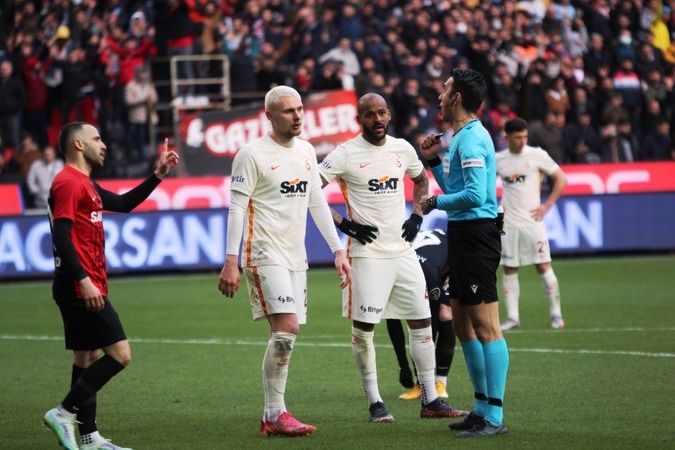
607 381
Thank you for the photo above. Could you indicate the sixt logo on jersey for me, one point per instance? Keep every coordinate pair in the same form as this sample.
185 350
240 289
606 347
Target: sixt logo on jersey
514 179
293 187
383 184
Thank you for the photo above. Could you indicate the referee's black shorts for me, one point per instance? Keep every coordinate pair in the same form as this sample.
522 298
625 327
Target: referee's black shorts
84 329
474 249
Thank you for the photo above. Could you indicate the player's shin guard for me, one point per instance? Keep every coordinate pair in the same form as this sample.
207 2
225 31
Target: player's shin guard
445 348
86 414
496 367
552 290
275 372
475 364
511 288
422 352
363 350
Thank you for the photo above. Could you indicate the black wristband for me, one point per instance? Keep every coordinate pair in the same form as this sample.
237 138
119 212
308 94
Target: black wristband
433 162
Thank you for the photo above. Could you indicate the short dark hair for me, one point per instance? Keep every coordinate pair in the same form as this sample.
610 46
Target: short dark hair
66 135
515 125
471 84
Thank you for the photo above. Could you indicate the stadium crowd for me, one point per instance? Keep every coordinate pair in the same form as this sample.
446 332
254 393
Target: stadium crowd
593 78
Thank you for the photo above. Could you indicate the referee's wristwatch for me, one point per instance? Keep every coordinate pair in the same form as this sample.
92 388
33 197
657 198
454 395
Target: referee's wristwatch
430 204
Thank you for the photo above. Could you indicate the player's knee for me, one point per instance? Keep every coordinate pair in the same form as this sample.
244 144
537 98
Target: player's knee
363 326
444 313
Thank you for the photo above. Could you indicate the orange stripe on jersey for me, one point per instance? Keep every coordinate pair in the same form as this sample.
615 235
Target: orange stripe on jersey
249 238
345 194
259 289
349 298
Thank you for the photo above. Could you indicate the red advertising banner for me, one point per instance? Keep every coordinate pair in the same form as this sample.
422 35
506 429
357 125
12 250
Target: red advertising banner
10 200
210 140
213 191
609 178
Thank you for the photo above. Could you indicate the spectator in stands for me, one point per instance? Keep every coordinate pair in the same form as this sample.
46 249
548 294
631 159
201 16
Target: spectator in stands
620 143
140 97
549 135
35 118
581 141
344 54
41 174
557 100
12 100
659 146
627 82
28 153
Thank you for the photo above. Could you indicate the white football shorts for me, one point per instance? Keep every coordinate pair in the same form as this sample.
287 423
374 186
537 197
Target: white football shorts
386 288
524 246
277 290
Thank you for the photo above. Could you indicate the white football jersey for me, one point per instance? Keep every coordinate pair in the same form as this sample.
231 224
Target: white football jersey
281 183
371 180
522 174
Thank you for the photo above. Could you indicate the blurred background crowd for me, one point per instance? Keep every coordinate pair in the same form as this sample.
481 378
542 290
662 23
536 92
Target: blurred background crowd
594 78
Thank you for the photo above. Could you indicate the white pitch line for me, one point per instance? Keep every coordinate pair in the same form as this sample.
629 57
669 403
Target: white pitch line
27 337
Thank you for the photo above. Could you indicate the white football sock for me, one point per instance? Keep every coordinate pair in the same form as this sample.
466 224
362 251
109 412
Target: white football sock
511 288
275 372
424 355
363 350
550 282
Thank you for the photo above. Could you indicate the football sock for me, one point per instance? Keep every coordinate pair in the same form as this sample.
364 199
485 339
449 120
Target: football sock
445 348
496 367
550 282
397 337
422 352
511 288
363 350
86 415
275 372
90 438
92 379
475 364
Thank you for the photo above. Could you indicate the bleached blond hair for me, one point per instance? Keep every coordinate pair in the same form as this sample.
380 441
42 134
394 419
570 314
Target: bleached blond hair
274 94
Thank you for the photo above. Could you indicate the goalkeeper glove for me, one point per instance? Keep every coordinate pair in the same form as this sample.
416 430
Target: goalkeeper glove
411 227
362 233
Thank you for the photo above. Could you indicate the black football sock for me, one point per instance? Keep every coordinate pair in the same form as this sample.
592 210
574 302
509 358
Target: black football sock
86 414
397 337
445 347
88 384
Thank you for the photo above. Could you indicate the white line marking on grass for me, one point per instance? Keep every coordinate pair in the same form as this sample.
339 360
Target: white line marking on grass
28 337
592 330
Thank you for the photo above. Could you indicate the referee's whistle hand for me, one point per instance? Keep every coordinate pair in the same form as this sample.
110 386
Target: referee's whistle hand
430 146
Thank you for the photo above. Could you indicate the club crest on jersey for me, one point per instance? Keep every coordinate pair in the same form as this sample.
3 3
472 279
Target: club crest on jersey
96 216
293 188
383 185
397 160
514 179
307 165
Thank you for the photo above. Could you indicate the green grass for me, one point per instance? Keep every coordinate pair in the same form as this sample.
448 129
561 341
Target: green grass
604 382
